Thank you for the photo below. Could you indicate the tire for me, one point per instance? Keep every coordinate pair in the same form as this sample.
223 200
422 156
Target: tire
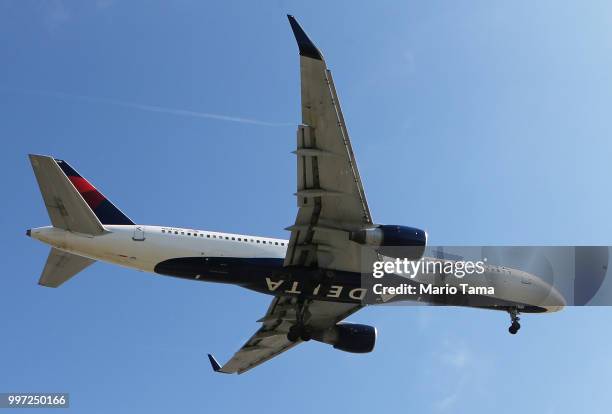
514 328
306 336
293 336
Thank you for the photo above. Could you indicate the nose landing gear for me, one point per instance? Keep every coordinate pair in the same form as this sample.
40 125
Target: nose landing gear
514 318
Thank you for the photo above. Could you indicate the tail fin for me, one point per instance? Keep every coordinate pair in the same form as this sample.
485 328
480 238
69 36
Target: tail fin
72 202
61 266
102 207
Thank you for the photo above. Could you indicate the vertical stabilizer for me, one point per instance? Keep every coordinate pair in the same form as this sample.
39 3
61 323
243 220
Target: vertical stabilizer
72 202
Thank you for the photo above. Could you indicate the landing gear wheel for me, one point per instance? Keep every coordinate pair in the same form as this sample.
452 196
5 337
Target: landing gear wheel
294 334
297 332
515 326
306 335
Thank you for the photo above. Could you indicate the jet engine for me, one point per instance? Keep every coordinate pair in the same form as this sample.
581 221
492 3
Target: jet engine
349 337
393 240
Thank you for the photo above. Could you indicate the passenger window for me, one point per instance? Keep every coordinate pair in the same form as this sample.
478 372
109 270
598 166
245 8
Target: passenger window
176 232
182 233
257 241
276 243
233 238
226 238
163 231
189 234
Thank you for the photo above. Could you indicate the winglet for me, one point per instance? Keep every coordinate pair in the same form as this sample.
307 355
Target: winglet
213 362
307 48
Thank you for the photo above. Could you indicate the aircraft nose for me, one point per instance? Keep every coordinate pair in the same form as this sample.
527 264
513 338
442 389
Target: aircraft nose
555 300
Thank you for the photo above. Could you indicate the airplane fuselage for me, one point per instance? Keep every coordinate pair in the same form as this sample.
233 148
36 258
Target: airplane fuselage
256 263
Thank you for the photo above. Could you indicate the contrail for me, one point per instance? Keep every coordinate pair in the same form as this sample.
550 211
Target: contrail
153 108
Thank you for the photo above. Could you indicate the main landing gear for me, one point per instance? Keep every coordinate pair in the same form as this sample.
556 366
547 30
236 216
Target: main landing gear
300 330
514 317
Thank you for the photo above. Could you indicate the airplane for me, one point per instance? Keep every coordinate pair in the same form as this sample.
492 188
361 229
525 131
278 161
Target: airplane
312 277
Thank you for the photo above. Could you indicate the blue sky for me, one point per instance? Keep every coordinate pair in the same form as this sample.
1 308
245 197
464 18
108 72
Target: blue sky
482 122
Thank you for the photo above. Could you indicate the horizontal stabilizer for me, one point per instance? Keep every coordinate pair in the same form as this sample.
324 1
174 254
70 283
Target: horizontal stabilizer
61 266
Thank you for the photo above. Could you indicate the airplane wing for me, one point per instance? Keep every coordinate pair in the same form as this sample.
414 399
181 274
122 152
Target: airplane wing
271 339
330 195
331 203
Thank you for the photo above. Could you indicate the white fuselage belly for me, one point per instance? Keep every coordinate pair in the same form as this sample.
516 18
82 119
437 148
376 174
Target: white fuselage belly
144 247
121 247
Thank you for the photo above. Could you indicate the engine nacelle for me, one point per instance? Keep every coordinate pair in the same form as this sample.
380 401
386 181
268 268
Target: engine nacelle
349 337
394 241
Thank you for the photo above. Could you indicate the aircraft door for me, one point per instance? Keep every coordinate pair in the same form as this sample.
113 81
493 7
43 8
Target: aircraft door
139 233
